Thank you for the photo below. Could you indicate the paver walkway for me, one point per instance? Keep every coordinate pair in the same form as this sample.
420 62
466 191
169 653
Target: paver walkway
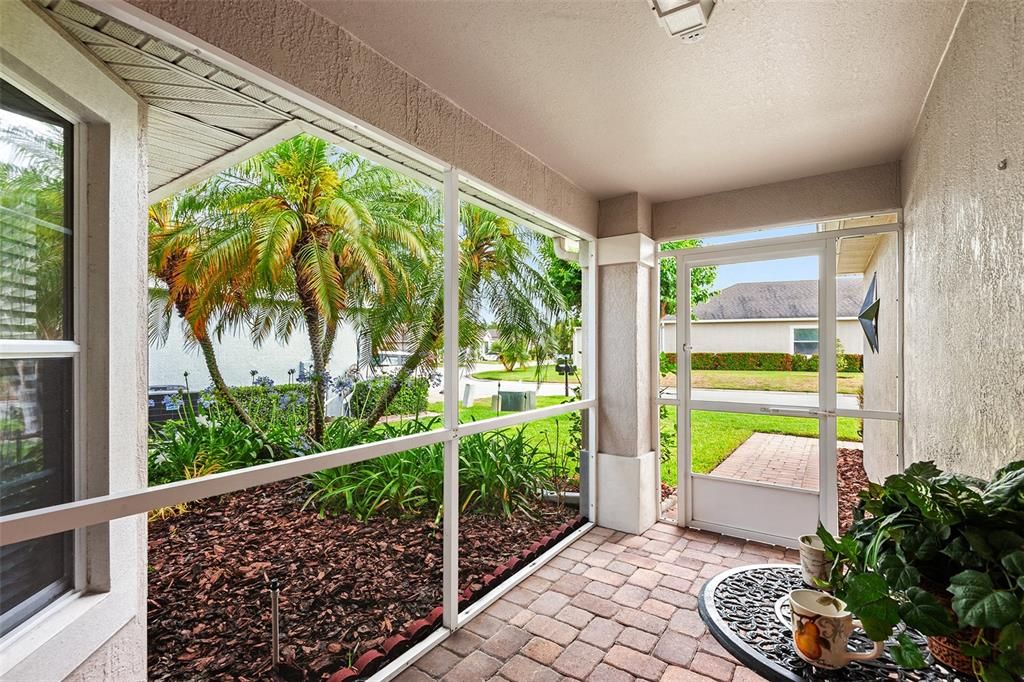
776 459
610 607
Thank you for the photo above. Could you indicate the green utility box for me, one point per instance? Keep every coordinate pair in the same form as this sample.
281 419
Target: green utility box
514 401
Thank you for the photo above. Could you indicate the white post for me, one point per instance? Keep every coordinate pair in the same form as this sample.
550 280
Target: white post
684 441
588 264
827 473
450 589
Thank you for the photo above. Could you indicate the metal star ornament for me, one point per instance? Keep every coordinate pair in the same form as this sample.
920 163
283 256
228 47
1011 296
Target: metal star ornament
868 316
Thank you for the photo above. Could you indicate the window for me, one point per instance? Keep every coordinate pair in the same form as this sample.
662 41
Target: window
37 349
805 340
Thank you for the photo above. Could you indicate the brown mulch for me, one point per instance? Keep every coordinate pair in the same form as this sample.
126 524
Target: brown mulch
345 585
852 479
667 491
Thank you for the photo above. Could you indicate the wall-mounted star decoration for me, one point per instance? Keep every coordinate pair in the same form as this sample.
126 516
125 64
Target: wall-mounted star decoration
868 315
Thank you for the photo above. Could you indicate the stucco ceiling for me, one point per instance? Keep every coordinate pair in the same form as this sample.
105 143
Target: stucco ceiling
599 91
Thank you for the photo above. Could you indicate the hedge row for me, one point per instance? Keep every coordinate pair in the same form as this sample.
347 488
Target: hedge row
411 399
777 362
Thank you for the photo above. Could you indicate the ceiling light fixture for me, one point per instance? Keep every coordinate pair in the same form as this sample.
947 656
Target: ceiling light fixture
686 19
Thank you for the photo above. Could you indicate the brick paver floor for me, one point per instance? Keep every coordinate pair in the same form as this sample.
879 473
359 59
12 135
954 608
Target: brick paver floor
611 607
776 459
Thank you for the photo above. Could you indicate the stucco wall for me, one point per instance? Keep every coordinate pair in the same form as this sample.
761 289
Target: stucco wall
860 191
881 369
964 223
293 43
754 337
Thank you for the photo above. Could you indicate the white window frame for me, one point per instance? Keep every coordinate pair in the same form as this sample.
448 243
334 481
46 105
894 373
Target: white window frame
793 340
29 349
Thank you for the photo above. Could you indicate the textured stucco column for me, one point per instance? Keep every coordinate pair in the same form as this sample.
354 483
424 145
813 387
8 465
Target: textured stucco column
627 473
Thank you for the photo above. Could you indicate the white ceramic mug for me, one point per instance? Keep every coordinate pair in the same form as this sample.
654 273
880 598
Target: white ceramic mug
822 628
813 563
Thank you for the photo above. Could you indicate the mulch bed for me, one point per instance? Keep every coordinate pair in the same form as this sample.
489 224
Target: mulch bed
852 479
345 585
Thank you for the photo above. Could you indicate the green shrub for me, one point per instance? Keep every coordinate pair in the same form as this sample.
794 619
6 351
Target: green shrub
499 472
196 445
207 437
411 398
285 403
777 362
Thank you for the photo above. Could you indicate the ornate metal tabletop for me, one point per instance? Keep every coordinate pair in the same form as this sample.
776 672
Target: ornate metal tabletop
747 611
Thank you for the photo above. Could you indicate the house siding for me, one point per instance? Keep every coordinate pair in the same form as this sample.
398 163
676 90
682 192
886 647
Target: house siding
760 336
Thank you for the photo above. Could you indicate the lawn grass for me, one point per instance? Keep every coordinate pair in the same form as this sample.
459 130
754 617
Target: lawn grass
749 380
552 432
717 434
525 375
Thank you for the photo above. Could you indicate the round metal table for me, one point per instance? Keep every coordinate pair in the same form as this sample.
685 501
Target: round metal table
746 609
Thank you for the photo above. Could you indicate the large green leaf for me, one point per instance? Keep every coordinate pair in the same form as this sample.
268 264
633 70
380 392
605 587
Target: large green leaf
921 544
924 470
977 602
897 572
1014 562
879 617
959 550
864 588
1004 489
923 612
906 653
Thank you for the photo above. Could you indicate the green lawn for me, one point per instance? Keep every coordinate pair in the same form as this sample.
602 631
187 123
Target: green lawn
717 434
552 432
803 382
525 374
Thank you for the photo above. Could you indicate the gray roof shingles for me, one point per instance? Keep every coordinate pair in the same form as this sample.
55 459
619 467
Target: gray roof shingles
775 300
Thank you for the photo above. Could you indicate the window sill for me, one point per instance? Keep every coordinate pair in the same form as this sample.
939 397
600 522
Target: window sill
58 639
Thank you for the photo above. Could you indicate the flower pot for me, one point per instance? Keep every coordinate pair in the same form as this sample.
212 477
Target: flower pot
946 649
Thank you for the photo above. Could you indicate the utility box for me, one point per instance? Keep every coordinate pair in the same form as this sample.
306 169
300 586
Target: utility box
514 401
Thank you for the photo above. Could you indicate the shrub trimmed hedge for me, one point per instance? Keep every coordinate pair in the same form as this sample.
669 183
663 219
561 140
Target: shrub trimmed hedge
775 362
411 399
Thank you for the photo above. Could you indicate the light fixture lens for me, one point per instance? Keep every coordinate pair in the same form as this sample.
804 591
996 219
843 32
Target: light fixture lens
664 6
685 19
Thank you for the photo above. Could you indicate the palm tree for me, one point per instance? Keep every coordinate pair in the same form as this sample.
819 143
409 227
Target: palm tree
498 277
177 229
329 227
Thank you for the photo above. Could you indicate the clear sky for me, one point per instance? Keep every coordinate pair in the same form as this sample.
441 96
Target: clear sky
782 270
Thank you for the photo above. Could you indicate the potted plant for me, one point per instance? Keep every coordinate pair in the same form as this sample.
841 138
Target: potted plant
943 554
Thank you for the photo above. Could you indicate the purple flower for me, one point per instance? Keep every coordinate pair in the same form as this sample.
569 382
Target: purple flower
264 381
171 402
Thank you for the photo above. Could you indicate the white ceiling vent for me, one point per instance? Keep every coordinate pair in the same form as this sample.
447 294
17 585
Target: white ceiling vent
686 19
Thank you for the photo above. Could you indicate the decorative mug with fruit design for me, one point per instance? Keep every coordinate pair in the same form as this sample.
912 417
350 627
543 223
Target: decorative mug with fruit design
822 628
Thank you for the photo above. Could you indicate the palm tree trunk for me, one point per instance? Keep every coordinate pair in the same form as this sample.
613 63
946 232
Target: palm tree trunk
315 331
210 357
426 345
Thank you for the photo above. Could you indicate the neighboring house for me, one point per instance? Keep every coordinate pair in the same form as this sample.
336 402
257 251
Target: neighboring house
770 317
237 357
